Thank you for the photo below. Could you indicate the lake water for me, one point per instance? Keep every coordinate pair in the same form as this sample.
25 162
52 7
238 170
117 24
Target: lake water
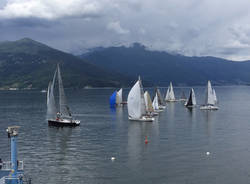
175 154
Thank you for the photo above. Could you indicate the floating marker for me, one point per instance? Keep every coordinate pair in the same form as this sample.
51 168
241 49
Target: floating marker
208 153
112 158
146 140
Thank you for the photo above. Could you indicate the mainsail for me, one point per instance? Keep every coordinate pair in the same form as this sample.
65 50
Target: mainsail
155 103
160 99
215 97
51 106
170 93
143 106
148 102
63 107
209 100
134 101
191 100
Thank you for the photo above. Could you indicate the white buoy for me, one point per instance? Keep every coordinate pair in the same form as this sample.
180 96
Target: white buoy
112 158
208 153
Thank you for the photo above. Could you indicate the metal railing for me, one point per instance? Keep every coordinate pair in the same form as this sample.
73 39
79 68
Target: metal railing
7 166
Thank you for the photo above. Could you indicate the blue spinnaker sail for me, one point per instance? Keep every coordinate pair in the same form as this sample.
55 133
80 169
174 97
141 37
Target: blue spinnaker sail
112 99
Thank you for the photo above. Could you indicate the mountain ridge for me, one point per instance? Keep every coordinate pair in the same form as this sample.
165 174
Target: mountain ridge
27 63
160 67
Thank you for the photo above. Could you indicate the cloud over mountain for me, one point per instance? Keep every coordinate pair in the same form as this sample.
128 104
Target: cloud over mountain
190 27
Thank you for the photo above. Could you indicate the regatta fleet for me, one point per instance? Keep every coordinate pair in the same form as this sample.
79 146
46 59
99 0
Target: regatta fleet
139 103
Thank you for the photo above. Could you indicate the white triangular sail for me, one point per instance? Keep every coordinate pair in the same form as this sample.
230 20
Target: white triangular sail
193 97
119 97
209 100
167 95
215 97
134 101
143 106
155 102
63 107
51 106
170 93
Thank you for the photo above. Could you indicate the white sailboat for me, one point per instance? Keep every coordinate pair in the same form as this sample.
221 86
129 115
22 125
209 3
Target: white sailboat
170 97
136 104
161 102
156 105
63 116
209 99
191 102
149 106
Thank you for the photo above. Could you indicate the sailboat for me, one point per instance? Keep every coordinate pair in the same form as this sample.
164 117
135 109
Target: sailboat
170 97
155 104
209 99
61 116
161 102
136 104
116 99
149 106
191 102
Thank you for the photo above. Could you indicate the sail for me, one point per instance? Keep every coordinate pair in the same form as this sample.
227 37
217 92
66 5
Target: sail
171 92
209 100
112 99
48 93
155 102
191 100
167 95
148 102
134 101
193 97
63 107
51 106
143 106
215 97
119 97
160 99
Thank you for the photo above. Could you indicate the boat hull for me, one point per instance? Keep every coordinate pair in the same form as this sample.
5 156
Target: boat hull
143 119
171 100
209 107
63 123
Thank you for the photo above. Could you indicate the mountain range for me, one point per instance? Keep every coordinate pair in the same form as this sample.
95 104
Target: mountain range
27 63
160 68
30 64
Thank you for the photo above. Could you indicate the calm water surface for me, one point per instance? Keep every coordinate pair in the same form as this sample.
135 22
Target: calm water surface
175 154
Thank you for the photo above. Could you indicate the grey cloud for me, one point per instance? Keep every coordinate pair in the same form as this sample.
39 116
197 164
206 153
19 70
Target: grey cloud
190 27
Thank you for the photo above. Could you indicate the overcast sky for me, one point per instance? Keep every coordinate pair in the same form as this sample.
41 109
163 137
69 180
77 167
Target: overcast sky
191 27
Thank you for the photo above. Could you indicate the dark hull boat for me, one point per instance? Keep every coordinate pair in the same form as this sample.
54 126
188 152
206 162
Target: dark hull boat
59 116
63 122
